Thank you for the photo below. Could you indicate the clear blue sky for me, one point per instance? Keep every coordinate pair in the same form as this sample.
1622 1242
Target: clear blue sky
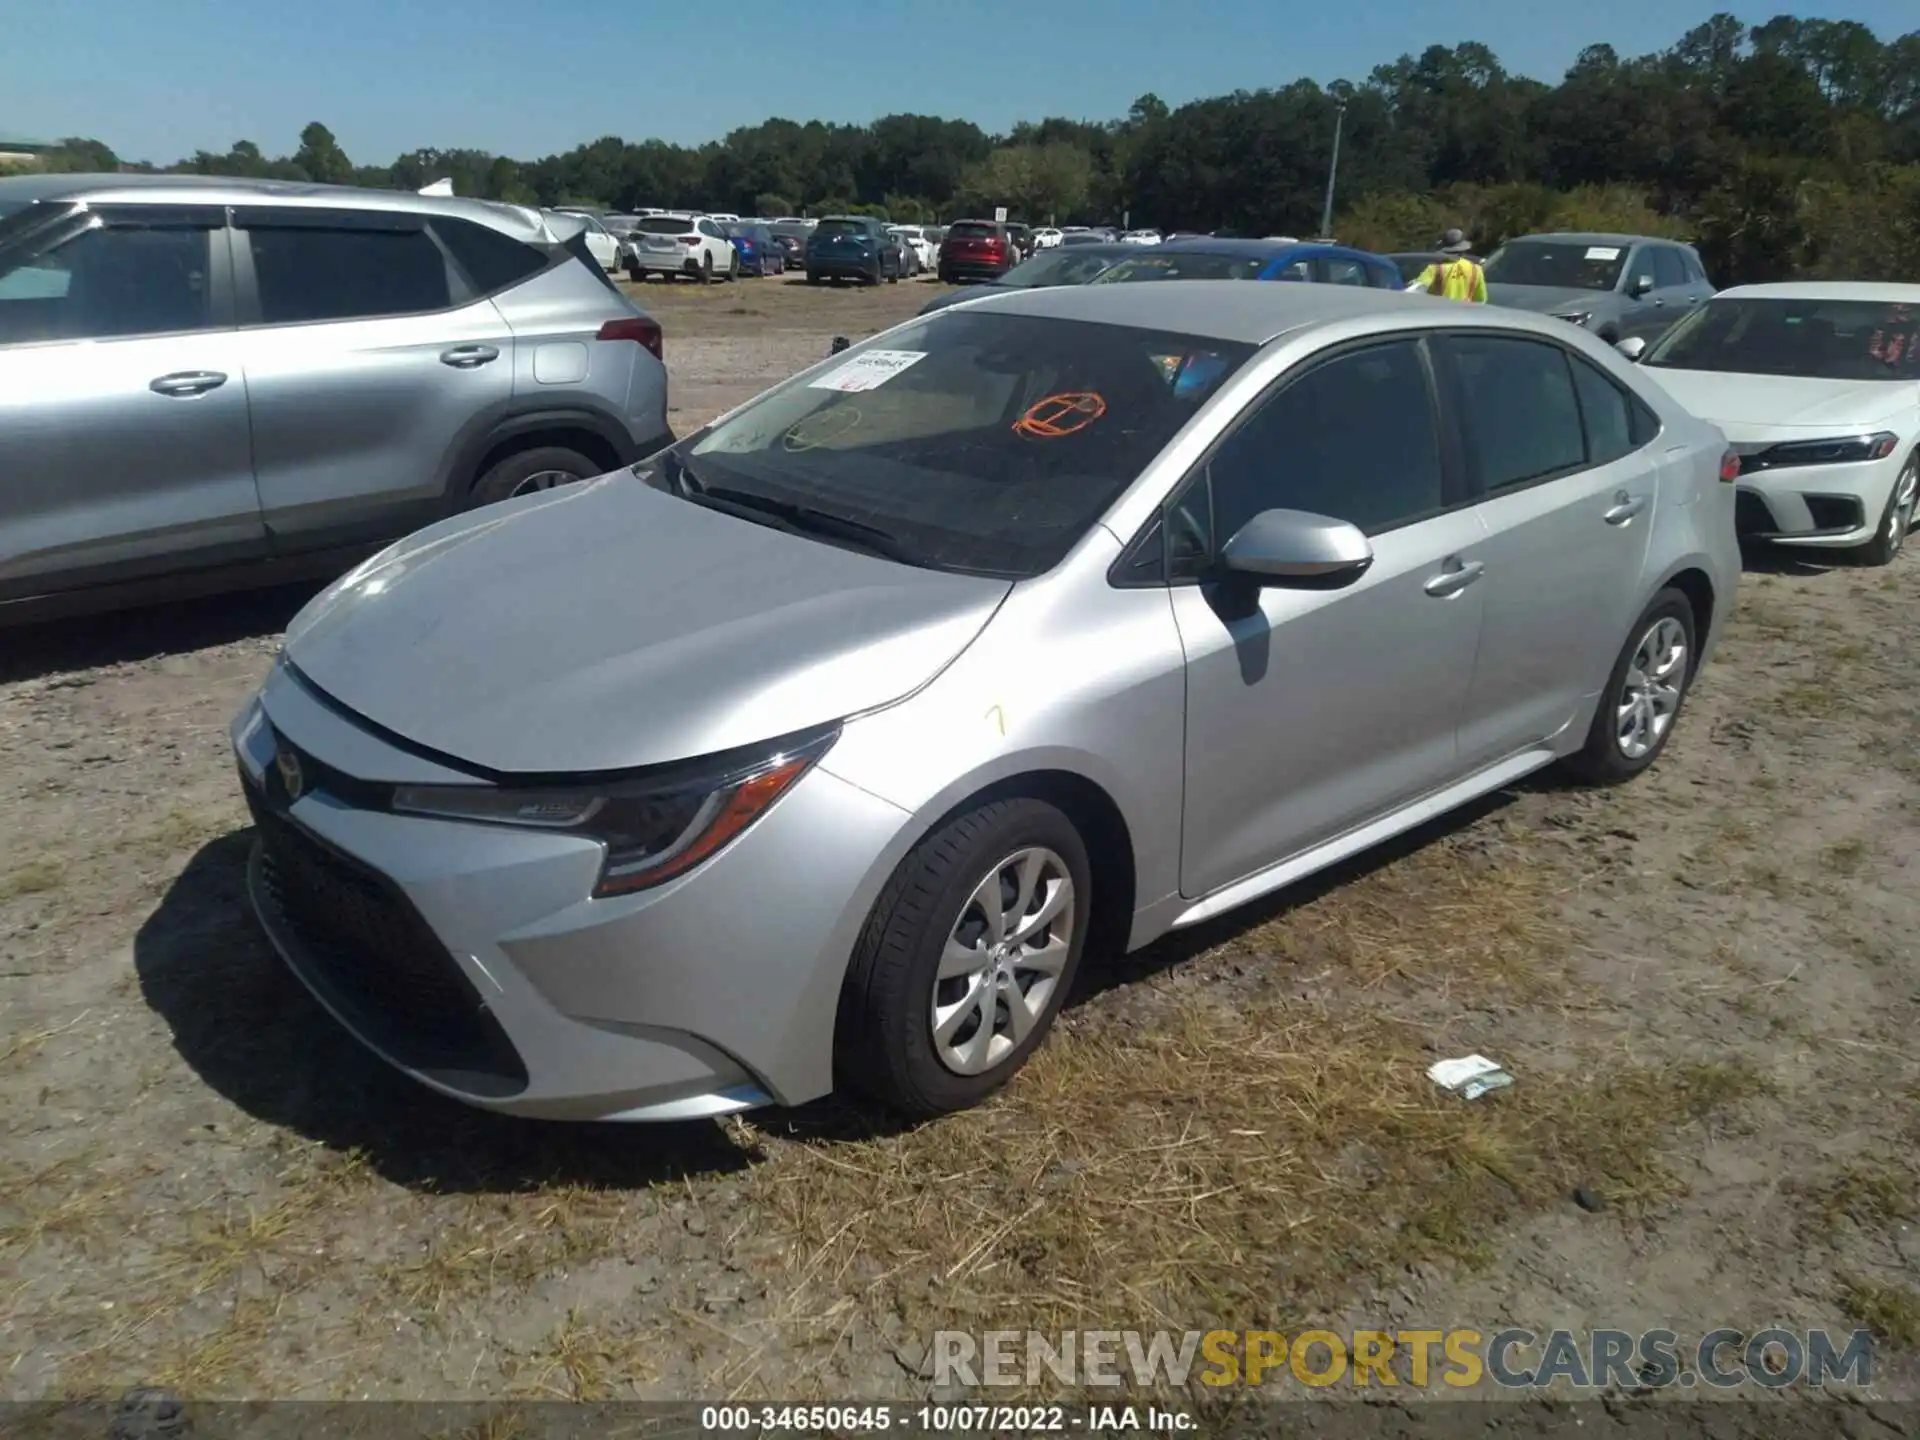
157 81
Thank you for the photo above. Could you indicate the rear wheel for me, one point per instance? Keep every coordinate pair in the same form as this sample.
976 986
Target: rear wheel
733 267
1897 519
1643 696
530 471
706 269
965 959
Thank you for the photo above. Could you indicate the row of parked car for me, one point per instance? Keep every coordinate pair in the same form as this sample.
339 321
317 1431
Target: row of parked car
703 786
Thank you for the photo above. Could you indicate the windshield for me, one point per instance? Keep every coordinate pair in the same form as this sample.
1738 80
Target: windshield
1560 264
1162 265
1055 267
983 443
664 225
1817 339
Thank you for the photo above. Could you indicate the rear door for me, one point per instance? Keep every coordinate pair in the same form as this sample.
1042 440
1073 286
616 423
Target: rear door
124 448
367 357
1560 457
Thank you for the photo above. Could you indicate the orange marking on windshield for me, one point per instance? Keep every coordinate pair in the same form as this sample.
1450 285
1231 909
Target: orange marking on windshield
1058 416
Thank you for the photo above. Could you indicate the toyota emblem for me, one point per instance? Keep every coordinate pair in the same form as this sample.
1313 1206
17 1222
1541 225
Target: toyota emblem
288 764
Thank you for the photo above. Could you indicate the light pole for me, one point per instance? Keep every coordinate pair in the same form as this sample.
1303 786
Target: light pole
1333 166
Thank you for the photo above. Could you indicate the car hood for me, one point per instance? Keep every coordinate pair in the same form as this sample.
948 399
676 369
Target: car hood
1756 405
1548 298
609 626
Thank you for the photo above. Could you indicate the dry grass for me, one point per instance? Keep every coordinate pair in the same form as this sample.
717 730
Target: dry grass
1891 1311
1245 1161
33 878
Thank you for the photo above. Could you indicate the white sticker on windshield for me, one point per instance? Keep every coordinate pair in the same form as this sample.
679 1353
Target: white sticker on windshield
868 371
1603 252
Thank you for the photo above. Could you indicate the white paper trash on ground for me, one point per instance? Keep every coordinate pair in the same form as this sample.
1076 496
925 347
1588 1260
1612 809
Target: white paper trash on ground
1469 1077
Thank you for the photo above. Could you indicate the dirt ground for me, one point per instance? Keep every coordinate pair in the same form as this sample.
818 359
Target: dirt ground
1705 983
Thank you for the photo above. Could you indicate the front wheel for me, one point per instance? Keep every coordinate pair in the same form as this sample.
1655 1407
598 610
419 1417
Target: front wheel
1897 519
733 267
965 959
1643 695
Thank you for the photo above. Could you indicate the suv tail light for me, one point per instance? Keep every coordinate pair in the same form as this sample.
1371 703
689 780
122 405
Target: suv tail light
689 239
1730 466
642 329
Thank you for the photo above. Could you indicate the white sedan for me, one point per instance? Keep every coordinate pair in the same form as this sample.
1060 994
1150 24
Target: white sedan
916 250
602 243
1046 237
1817 387
1140 237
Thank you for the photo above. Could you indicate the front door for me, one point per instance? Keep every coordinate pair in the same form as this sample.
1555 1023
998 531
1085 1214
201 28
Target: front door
124 449
1310 712
365 363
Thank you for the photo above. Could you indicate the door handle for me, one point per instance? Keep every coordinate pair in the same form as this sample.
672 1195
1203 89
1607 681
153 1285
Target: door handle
1625 507
187 383
468 357
1454 578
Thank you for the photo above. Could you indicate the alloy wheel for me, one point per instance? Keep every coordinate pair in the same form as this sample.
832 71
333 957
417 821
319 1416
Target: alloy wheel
1906 493
1002 961
542 480
1650 695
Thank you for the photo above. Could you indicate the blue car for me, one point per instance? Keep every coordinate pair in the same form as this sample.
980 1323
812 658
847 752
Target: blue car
760 253
1216 259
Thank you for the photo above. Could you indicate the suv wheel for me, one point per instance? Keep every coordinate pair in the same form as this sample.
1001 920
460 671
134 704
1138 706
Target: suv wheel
1643 695
1897 519
965 959
733 267
529 471
813 277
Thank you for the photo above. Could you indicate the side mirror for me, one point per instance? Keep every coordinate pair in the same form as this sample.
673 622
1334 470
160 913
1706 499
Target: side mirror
1294 548
1641 285
1633 347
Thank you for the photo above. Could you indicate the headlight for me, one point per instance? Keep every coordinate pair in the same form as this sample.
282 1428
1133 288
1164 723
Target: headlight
1578 317
653 828
1840 450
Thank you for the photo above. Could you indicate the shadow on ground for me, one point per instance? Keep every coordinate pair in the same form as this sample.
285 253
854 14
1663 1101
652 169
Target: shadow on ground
57 647
250 1030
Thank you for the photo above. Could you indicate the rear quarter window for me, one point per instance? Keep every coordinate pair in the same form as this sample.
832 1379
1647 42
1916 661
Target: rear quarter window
492 261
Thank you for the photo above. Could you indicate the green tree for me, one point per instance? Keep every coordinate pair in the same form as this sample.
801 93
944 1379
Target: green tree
321 157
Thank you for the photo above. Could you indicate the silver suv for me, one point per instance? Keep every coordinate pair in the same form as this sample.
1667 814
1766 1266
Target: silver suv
206 383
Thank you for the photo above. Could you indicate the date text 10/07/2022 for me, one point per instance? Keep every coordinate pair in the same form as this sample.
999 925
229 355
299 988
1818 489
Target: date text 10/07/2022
932 1419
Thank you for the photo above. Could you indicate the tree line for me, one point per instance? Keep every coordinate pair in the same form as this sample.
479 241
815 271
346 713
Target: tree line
1785 148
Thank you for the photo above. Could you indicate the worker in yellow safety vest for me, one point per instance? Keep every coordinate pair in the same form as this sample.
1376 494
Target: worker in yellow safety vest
1459 278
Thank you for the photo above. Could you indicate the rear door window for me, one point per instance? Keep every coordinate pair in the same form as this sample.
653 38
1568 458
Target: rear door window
308 271
1516 402
1336 271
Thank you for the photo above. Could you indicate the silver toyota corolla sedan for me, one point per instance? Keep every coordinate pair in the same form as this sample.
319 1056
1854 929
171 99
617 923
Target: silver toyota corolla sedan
818 750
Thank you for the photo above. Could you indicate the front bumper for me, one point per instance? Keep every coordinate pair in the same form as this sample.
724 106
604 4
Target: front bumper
1817 505
473 958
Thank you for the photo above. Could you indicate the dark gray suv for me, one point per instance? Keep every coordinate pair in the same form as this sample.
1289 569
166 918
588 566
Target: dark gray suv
1621 287
207 383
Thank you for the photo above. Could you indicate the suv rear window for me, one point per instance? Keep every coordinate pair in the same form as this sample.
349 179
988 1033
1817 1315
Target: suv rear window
840 227
664 225
967 231
492 261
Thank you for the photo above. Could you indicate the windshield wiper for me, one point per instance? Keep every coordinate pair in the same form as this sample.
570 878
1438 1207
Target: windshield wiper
806 520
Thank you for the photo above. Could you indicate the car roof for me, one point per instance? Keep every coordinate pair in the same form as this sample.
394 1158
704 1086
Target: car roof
1599 237
1243 311
1258 249
1886 292
1101 247
521 221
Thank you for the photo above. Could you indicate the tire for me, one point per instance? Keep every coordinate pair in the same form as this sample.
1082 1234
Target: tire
884 1036
733 268
894 278
1605 759
945 277
635 275
813 277
706 267
508 476
1897 519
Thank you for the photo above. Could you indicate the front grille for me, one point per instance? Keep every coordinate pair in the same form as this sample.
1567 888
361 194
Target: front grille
373 956
1751 515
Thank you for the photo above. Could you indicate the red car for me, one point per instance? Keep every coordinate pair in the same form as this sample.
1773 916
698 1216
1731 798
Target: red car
976 250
